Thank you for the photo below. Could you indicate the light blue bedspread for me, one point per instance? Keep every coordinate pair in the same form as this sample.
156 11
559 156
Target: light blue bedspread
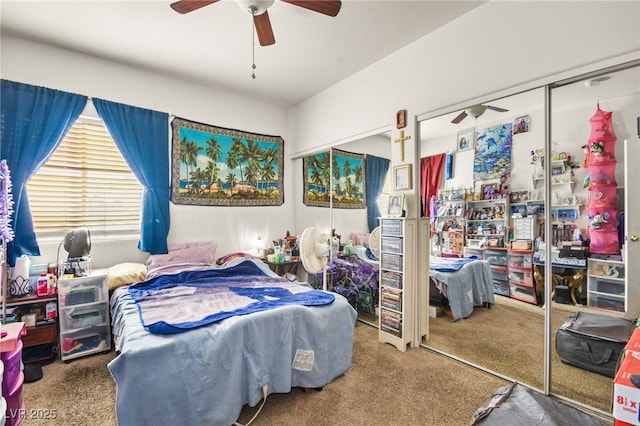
204 376
178 302
465 287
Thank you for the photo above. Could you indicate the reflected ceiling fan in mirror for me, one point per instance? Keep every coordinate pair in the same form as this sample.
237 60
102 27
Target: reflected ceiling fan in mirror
476 111
258 9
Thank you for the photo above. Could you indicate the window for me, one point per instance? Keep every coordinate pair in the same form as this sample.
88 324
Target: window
383 199
85 183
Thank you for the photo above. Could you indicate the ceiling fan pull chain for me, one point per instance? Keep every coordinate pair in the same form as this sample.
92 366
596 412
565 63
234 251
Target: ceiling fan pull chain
253 43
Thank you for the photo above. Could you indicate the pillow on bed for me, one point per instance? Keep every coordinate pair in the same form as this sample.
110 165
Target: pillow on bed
223 260
207 252
176 266
182 246
360 238
125 273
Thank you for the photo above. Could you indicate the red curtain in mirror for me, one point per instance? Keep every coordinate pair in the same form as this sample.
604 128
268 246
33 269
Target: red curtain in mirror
430 177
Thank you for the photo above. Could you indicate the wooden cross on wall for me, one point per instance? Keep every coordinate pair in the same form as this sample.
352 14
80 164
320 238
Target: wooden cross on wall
401 139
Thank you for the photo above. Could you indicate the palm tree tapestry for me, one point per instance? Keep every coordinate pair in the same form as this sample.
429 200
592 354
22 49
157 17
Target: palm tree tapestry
224 167
339 173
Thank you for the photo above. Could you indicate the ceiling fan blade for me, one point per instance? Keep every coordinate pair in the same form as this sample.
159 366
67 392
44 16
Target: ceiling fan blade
498 109
264 30
186 6
460 117
326 7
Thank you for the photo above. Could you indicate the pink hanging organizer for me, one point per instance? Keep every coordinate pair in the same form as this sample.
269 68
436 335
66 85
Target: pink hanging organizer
602 209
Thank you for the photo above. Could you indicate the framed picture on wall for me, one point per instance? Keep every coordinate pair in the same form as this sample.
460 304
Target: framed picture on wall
396 205
402 177
489 191
465 140
521 124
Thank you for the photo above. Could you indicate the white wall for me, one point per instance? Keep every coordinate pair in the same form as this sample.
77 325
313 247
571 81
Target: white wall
232 228
491 50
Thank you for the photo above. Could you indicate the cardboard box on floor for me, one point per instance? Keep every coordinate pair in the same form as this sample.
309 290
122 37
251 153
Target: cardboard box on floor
633 345
626 396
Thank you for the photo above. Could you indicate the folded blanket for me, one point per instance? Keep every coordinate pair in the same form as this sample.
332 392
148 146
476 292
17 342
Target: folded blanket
447 264
175 303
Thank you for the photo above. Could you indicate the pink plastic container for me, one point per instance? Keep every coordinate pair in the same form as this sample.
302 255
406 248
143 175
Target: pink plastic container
12 368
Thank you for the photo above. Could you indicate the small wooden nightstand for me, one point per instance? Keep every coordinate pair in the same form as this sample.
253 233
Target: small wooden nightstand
282 268
46 328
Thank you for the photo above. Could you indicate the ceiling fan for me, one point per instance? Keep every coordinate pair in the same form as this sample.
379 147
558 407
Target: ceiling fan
476 111
258 9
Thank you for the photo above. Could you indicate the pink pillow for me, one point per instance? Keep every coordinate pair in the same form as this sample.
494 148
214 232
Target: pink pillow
206 252
175 266
360 239
182 246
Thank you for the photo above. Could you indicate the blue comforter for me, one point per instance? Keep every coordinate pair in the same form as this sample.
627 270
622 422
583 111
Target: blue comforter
205 375
174 303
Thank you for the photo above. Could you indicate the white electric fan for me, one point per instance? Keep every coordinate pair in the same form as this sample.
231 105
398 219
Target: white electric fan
374 242
315 252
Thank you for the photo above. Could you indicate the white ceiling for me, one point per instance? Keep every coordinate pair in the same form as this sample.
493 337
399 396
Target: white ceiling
213 45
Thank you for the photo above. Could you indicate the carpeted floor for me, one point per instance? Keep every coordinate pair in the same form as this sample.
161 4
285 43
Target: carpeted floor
383 387
509 338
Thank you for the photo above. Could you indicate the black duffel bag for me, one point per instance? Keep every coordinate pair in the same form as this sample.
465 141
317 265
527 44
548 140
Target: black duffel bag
593 342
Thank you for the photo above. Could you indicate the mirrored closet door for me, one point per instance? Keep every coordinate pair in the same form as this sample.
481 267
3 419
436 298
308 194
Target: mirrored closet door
353 227
508 337
591 117
552 200
352 272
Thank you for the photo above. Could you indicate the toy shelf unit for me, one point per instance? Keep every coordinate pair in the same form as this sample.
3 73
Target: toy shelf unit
606 285
84 315
561 175
448 240
487 223
396 286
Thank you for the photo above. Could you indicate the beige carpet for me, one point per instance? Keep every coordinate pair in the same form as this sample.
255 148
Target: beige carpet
509 338
383 387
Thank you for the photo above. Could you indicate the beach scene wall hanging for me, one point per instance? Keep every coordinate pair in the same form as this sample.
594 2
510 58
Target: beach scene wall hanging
344 172
216 166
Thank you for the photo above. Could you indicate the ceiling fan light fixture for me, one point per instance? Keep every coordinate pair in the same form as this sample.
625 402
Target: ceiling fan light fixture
255 7
477 110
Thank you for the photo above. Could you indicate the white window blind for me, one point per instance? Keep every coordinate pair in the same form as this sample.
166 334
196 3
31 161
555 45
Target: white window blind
85 183
383 199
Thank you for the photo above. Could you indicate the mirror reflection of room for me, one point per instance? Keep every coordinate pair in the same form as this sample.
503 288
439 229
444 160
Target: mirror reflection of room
497 186
357 167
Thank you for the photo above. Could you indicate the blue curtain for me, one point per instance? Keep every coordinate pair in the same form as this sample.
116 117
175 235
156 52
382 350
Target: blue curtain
375 173
142 136
33 122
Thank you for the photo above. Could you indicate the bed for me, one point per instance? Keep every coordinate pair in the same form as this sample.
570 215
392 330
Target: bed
206 374
465 282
